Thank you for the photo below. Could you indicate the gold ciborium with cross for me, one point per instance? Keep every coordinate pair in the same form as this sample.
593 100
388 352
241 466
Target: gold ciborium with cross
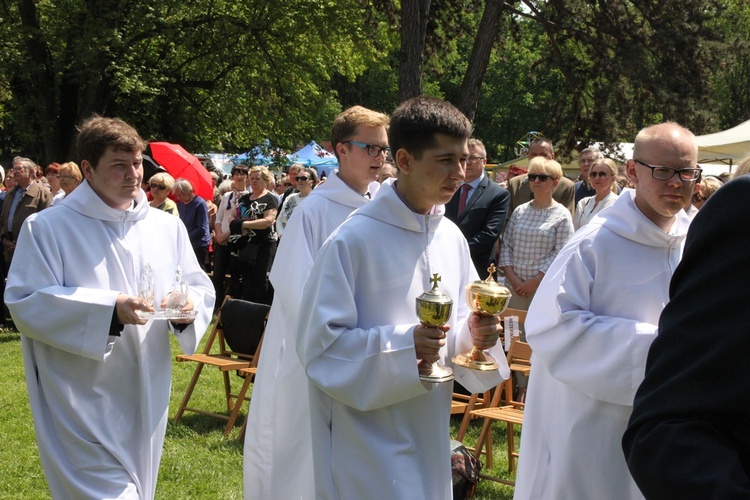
434 309
486 298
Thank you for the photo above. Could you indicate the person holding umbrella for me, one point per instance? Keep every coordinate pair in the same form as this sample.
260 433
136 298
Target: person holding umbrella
193 212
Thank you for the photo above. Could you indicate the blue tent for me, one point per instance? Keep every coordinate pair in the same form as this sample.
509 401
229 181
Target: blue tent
313 155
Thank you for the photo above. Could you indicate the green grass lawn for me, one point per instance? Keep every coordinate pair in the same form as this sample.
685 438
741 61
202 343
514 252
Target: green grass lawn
198 461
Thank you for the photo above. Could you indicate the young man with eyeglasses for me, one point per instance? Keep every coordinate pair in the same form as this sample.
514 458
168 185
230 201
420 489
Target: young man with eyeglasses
279 439
479 208
592 321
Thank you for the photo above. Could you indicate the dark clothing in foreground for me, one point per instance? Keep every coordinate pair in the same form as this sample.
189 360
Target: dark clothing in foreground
689 434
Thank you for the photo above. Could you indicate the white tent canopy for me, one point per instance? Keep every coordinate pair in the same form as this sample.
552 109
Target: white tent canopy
728 146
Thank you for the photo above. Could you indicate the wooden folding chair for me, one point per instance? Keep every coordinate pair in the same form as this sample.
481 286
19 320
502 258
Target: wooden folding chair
238 331
519 361
465 405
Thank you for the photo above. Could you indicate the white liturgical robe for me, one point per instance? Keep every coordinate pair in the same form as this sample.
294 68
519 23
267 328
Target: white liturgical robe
278 443
378 431
590 326
99 402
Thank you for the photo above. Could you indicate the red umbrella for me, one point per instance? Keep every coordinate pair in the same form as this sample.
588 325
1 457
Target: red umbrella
182 165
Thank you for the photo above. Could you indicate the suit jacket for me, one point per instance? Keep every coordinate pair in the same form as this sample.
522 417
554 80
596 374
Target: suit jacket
520 193
35 199
688 435
482 220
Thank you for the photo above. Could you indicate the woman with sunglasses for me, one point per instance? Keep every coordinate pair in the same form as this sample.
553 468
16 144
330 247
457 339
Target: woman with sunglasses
307 179
535 233
160 185
602 177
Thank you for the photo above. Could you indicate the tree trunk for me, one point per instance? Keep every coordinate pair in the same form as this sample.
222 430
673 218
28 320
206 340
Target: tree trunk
42 82
414 17
480 58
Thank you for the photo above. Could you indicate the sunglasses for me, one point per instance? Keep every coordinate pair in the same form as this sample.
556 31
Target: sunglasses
697 198
287 184
598 174
301 178
541 177
156 186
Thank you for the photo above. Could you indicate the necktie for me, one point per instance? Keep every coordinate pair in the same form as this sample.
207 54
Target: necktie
462 198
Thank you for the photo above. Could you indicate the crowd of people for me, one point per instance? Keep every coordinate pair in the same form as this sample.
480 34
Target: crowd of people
338 397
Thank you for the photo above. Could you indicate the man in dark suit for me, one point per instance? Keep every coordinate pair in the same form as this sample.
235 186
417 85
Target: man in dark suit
520 190
688 435
479 208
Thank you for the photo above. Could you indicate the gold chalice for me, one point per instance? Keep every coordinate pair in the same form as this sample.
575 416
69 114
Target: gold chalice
486 298
434 309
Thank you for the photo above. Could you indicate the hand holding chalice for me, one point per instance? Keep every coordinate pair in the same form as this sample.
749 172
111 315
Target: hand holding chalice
486 298
434 310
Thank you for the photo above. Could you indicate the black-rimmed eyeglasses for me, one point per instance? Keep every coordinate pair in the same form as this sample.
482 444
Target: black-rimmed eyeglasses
662 173
372 149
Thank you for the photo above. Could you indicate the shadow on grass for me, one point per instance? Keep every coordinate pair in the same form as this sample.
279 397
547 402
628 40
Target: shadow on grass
9 337
195 423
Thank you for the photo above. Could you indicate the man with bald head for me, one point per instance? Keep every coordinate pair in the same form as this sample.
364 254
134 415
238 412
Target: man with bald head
592 321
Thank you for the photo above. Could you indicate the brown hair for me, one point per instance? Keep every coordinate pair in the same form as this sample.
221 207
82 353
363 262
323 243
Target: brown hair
98 133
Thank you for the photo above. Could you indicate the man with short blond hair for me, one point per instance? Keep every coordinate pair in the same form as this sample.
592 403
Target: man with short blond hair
278 436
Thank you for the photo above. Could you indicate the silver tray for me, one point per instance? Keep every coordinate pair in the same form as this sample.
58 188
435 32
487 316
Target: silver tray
166 314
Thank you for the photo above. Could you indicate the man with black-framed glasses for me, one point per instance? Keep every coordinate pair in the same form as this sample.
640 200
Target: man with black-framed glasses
280 437
592 322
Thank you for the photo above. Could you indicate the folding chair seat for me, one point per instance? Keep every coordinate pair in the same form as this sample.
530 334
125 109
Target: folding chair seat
238 331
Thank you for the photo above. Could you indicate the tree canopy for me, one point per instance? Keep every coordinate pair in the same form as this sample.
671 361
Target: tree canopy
220 75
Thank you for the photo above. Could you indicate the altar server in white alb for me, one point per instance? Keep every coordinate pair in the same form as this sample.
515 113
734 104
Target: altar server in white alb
278 443
98 375
592 322
378 431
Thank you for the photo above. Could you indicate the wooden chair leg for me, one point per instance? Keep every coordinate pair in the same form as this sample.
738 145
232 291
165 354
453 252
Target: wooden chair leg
482 441
467 417
238 404
228 390
188 392
488 447
511 446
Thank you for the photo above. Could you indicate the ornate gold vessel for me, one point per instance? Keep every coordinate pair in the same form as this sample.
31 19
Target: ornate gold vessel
434 309
487 298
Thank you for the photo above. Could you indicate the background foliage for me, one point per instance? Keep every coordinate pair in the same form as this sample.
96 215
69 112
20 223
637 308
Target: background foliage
224 76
